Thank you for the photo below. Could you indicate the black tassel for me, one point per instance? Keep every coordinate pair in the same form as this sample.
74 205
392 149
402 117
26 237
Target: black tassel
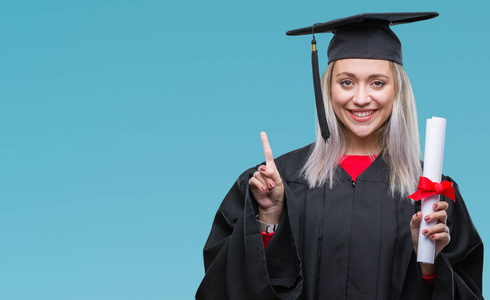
320 108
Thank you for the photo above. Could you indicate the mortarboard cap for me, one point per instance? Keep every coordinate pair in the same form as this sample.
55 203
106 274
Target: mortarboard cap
361 36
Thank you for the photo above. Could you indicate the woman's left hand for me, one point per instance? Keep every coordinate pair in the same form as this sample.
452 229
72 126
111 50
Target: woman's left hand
438 232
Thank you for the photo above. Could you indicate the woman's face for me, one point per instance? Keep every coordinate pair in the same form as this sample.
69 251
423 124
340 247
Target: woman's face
363 92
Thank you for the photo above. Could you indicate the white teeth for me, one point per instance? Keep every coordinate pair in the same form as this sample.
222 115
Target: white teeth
363 114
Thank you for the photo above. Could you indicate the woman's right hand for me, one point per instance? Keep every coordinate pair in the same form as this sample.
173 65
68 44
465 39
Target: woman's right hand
267 187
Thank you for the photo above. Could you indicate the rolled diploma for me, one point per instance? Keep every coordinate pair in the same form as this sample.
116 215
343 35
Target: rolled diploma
433 157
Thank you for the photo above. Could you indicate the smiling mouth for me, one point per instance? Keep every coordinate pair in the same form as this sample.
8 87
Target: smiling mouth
362 114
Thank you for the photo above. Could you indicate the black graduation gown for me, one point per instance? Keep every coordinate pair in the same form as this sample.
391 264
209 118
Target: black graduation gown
349 242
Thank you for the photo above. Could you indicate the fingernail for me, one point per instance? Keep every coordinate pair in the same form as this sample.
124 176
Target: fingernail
262 168
436 205
269 191
432 236
262 188
427 218
271 185
425 231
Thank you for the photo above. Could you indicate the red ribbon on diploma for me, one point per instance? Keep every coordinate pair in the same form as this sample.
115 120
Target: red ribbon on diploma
428 188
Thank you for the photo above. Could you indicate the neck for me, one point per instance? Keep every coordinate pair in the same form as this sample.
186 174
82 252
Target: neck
361 146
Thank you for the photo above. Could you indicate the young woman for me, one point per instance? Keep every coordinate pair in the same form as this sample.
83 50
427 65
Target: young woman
332 220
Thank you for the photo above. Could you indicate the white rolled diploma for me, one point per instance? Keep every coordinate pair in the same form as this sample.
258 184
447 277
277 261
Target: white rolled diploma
433 156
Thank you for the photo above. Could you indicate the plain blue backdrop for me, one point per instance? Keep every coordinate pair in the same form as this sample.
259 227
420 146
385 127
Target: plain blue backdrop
124 123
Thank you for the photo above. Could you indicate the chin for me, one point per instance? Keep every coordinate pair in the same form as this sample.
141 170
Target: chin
362 133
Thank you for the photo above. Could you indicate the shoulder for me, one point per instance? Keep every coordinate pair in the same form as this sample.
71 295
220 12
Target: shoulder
289 165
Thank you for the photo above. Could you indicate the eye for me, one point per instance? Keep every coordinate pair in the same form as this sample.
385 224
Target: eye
346 83
378 83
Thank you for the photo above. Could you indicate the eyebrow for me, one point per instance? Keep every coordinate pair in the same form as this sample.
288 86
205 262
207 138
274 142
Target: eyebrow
370 76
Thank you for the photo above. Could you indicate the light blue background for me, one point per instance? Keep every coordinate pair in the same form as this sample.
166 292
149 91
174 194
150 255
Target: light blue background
124 123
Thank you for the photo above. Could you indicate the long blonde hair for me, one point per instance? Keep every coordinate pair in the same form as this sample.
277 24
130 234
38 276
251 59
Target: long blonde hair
398 139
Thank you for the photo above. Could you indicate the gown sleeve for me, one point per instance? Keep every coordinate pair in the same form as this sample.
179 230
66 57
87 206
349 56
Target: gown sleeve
459 264
236 264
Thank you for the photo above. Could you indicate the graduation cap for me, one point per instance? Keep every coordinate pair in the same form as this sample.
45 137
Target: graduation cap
361 36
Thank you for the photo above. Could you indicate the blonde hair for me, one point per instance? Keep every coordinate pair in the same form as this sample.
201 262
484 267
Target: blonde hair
398 139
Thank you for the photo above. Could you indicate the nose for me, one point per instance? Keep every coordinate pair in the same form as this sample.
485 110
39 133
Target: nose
361 96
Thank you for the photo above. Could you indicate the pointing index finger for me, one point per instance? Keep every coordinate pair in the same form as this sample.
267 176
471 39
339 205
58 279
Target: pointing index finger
269 159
